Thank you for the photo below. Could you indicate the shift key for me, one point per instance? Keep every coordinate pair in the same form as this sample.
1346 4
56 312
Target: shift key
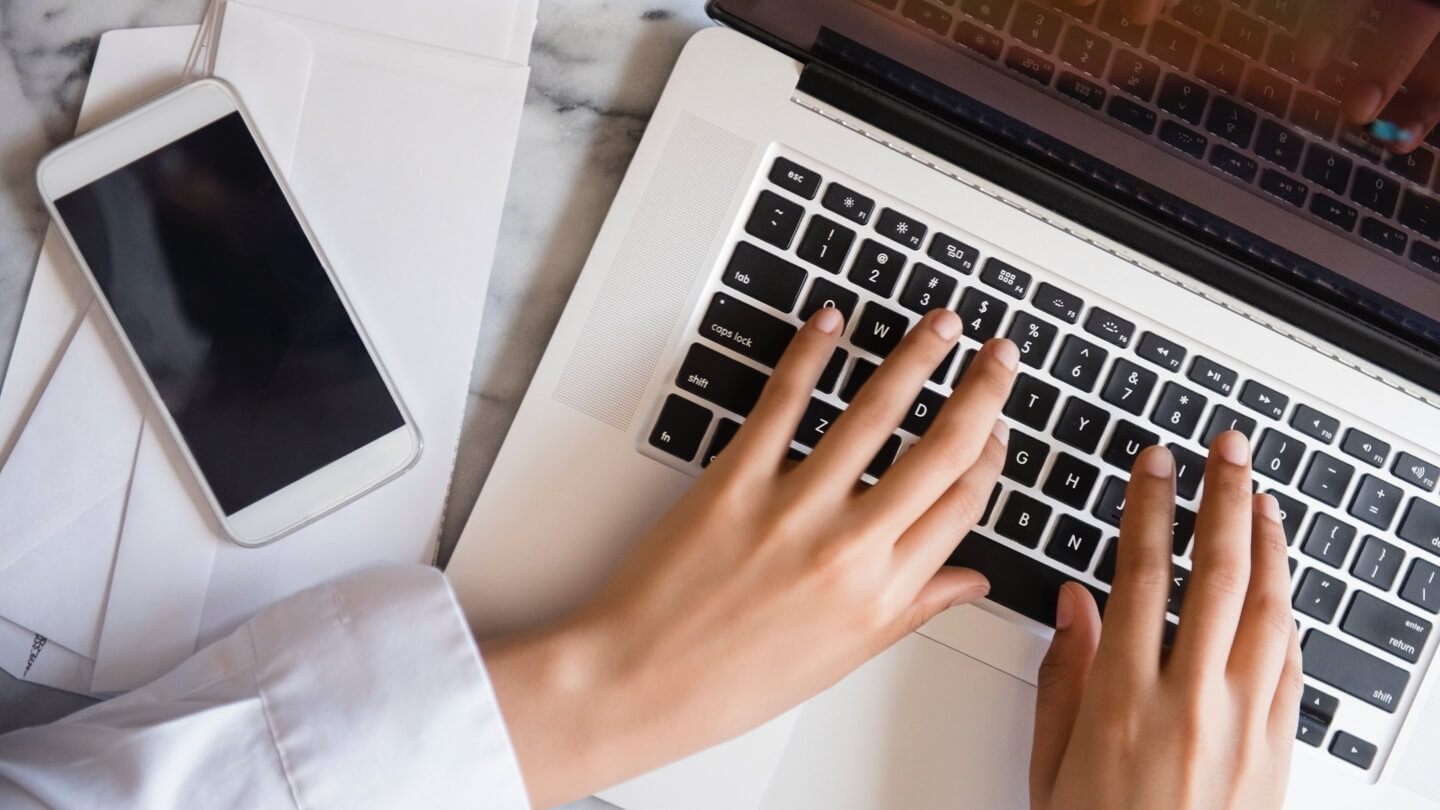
728 383
1387 627
746 330
1354 671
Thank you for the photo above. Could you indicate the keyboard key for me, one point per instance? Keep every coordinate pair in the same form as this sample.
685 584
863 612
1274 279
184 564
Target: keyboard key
1132 115
1415 470
764 276
1114 22
1244 33
1376 502
1220 69
1105 571
852 205
1034 338
1421 214
1109 327
746 330
775 219
1023 519
877 268
1019 582
1030 65
1309 730
1183 529
1126 443
1200 16
1231 121
1414 167
953 253
725 432
1278 456
831 375
1079 363
1335 79
1070 481
1375 191
1353 671
1334 212
928 289
1129 386
1233 163
1315 114
1377 563
1172 44
1422 586
1357 140
1036 26
1329 540
879 330
817 419
1315 424
979 40
941 371
1284 13
922 411
859 375
1383 236
1425 256
794 178
1286 188
1162 352
927 16
993 13
1212 375
901 229
828 294
1186 140
1031 401
1292 515
1189 471
1073 543
680 427
981 314
1327 479
1328 169
1263 399
1421 525
1086 50
1285 57
1057 303
1024 457
1279 145
1223 419
1110 506
1179 410
1318 705
1012 281
1080 89
1319 597
1081 425
714 377
1365 447
1353 750
826 244
886 457
1134 74
1387 627
1083 13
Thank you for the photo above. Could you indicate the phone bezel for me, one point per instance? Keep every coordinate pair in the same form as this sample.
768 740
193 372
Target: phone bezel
140 132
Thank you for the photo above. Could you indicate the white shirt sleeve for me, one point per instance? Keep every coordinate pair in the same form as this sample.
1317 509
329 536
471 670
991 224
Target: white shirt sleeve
367 692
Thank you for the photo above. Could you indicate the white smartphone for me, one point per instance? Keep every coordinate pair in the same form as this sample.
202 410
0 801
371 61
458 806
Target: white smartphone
225 303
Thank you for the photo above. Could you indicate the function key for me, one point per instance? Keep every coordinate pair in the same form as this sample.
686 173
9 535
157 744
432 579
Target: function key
1010 280
1029 65
764 276
1057 303
1315 424
852 205
1188 141
794 178
1365 447
979 40
900 228
1415 470
825 244
1353 750
1164 353
1212 375
775 219
1109 327
1082 90
1263 399
680 427
1422 586
953 253
1376 502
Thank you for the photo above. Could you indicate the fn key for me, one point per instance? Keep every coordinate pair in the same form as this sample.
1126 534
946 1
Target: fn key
681 426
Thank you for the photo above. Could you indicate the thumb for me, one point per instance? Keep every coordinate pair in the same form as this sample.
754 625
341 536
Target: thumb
1062 679
950 586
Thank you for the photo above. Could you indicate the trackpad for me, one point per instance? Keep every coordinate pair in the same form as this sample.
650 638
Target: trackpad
921 727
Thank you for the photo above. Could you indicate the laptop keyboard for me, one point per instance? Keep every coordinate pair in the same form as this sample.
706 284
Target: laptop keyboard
1218 83
1097 384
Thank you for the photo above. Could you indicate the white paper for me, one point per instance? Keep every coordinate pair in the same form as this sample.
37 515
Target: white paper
35 658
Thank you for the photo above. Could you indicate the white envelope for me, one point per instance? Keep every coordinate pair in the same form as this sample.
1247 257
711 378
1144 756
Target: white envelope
399 153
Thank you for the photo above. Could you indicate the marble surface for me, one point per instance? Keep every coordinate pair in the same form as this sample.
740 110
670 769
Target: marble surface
599 67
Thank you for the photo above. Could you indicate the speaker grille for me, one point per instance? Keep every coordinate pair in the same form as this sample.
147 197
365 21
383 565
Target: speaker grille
660 259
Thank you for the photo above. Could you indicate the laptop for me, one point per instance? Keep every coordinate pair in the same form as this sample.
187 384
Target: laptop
1182 236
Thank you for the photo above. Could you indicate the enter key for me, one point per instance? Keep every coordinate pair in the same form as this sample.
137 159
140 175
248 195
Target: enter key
1387 627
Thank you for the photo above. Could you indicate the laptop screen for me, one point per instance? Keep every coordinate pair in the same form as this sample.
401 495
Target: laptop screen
1303 128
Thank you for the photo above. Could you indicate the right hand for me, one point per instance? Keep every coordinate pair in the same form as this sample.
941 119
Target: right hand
1211 725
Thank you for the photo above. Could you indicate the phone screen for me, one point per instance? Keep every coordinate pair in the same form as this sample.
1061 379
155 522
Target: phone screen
232 314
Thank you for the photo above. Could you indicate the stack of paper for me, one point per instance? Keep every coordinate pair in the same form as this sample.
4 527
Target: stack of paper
395 124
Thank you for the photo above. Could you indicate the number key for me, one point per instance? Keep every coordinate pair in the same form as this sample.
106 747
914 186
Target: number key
1330 169
1129 386
877 268
1034 337
1278 456
1079 363
1179 410
927 289
981 313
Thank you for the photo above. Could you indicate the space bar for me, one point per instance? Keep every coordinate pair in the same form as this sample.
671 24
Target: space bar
1018 582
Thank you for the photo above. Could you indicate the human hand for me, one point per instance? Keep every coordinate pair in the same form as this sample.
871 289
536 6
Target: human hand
1210 726
769 580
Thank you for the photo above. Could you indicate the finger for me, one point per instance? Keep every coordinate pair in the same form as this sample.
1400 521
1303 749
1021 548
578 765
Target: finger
1143 12
767 432
1135 612
852 442
929 539
1402 38
1266 623
954 440
947 588
1285 710
1216 593
1415 112
1325 28
1064 673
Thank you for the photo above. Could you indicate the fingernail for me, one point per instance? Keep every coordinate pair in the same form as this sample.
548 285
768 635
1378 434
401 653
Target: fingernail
1364 102
1267 506
1158 462
1233 447
946 324
1001 432
1064 609
828 320
1007 353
